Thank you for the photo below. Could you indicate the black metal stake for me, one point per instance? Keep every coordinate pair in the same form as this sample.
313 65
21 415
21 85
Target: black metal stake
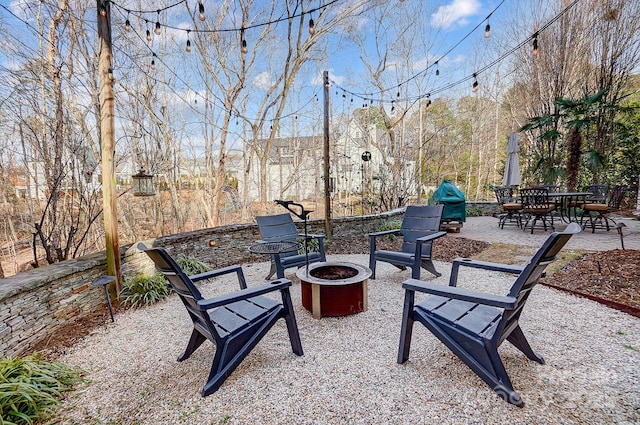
303 214
619 227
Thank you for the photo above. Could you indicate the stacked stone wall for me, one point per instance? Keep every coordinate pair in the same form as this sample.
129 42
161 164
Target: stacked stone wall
37 303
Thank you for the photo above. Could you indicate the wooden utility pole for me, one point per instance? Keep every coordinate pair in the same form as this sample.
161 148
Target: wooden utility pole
107 143
327 183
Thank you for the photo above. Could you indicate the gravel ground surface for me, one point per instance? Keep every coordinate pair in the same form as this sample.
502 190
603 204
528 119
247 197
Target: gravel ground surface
349 373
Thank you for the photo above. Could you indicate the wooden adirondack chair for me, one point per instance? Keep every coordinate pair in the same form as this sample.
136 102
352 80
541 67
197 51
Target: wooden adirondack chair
235 323
420 227
280 228
474 324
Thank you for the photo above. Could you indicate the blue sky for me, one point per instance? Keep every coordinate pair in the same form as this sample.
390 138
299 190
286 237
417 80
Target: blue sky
445 22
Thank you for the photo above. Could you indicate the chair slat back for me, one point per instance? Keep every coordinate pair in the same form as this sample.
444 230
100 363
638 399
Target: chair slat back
504 195
617 195
277 228
180 283
531 274
418 221
534 198
599 193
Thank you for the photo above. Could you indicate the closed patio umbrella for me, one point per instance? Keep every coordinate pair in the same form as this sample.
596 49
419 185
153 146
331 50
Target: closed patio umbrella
512 167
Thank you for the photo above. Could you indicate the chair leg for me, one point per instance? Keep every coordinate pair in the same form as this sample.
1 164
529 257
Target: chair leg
407 327
292 325
481 358
195 341
372 266
232 351
272 270
519 341
428 266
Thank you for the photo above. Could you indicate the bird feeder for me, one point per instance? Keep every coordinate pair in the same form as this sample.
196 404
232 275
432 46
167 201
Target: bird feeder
142 183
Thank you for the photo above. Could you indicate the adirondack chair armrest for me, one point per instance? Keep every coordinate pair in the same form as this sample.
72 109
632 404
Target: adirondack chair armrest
395 232
314 236
220 272
265 288
485 265
427 238
214 273
433 235
459 293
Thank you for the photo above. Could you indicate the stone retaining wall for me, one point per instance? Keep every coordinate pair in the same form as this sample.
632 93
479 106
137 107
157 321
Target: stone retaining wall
37 303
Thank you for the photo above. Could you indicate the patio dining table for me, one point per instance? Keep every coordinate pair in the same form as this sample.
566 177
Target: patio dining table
567 204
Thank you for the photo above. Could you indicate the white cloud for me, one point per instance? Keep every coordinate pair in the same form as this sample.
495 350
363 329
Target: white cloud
263 81
455 13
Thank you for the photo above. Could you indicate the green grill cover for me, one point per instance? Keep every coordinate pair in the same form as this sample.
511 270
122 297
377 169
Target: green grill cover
453 200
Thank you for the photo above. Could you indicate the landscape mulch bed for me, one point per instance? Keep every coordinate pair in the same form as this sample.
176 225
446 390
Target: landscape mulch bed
609 277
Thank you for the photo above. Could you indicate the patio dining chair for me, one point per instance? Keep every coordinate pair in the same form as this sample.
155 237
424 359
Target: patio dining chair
598 206
474 324
512 208
235 322
536 205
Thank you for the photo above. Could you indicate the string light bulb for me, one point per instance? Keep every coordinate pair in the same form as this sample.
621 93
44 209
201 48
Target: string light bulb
201 11
535 44
157 30
475 83
127 25
243 41
487 31
312 26
148 35
188 48
437 71
153 61
103 9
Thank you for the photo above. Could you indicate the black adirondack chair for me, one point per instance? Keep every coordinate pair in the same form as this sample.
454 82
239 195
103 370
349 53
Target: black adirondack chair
420 227
235 323
474 324
280 228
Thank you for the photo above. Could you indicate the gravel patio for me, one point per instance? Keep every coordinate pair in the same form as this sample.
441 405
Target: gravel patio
349 373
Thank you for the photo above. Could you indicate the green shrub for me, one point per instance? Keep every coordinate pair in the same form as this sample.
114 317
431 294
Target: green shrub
31 387
474 212
394 224
141 290
312 244
192 266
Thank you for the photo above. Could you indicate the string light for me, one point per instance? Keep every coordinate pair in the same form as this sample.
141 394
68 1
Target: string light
103 9
188 48
127 24
201 11
153 61
312 26
535 44
437 70
243 42
475 83
487 31
157 30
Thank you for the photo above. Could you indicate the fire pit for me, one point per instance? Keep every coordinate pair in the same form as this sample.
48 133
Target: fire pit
334 288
